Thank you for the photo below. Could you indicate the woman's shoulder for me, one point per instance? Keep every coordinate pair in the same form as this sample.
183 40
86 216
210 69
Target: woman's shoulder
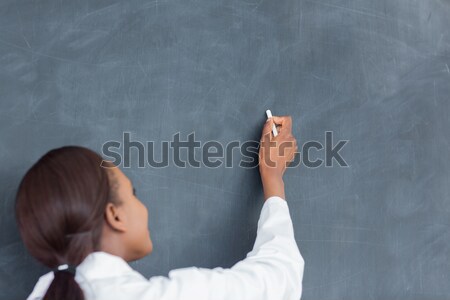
41 286
100 272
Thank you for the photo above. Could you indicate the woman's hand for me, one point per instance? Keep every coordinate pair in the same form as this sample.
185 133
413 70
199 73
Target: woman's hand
275 154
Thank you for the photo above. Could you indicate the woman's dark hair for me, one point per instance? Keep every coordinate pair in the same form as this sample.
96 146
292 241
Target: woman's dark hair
60 207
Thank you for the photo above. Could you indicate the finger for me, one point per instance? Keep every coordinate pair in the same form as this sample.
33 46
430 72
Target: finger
278 128
267 129
284 121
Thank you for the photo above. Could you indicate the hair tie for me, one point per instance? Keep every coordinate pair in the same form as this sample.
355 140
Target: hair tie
65 268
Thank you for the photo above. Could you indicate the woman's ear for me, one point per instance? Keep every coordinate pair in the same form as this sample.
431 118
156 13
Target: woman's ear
115 217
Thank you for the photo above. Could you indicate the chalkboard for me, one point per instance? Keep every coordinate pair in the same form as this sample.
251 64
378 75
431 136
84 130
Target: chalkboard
373 73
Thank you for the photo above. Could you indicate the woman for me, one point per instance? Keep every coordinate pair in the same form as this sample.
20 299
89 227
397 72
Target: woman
85 223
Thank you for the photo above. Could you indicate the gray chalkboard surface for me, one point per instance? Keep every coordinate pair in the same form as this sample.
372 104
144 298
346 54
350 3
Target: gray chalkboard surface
374 73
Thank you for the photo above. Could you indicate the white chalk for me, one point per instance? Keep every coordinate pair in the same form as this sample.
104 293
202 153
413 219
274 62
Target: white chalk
274 128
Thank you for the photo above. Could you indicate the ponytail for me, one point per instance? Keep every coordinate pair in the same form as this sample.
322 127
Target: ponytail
60 207
64 287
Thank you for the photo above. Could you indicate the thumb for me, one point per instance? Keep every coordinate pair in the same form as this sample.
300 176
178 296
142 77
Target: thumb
267 129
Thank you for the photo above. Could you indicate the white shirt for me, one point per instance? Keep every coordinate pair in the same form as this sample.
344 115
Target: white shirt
272 270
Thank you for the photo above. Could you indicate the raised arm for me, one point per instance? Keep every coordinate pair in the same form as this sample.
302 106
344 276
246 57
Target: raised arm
274 268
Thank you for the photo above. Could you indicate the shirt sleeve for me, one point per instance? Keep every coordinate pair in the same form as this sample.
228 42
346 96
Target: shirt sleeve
272 270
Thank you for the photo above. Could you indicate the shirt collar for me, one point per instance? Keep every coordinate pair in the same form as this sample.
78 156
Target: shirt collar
100 264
